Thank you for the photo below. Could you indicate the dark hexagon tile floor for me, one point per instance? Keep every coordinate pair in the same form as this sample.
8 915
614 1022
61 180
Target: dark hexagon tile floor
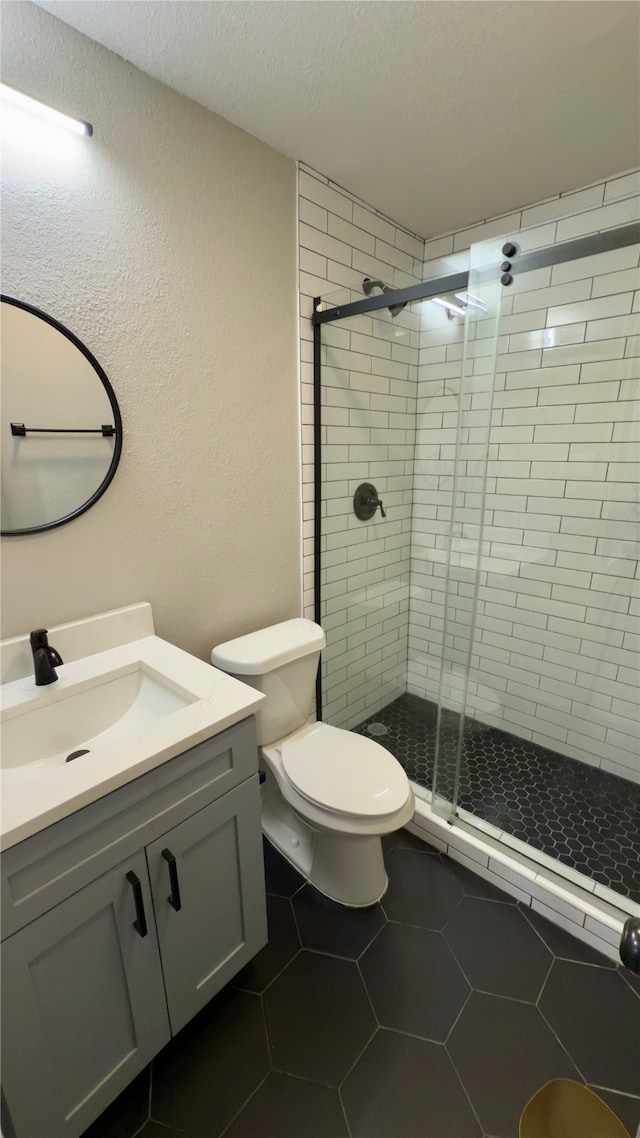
314 992
328 927
406 995
377 1023
421 889
590 1011
583 817
498 950
405 1087
504 1051
284 1107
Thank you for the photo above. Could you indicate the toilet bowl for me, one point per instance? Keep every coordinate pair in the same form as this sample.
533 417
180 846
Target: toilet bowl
328 795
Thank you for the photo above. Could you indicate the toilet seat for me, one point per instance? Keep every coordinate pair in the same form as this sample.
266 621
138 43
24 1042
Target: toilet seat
344 772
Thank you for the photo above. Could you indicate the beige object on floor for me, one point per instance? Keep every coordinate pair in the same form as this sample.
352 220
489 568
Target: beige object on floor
565 1109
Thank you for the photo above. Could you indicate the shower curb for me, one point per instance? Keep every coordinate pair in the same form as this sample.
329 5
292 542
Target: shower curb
587 917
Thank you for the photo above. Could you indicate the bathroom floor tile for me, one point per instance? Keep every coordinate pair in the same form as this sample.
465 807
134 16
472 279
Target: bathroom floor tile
284 1107
503 1051
561 943
625 1107
414 982
158 1130
318 1017
203 1077
404 840
631 978
421 890
497 949
474 886
281 947
404 1087
328 927
596 1016
280 876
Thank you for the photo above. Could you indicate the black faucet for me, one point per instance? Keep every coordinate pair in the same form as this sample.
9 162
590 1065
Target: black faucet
45 658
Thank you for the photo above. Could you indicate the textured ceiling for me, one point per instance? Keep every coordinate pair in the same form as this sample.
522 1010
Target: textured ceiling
439 113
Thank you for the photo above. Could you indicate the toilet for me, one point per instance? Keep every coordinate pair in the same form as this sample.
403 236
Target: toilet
328 795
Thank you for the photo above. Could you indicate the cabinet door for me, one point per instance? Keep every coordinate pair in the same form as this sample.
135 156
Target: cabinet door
83 1005
207 880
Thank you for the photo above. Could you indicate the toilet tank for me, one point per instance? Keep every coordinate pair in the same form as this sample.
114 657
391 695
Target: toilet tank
281 661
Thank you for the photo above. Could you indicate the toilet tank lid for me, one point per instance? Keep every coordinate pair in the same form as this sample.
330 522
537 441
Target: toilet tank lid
269 648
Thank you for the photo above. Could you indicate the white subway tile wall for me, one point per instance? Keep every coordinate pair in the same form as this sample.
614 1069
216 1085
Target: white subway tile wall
369 374
555 653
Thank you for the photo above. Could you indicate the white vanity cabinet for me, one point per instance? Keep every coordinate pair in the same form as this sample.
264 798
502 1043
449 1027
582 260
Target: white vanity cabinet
119 923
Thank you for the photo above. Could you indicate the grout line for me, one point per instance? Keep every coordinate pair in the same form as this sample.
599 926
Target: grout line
245 1103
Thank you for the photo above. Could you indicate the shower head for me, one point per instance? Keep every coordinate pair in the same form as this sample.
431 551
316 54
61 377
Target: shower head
368 285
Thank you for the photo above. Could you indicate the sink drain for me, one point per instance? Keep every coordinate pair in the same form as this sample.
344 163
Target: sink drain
76 754
377 729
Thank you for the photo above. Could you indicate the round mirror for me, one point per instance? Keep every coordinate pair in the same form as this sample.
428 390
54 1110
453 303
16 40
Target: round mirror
60 424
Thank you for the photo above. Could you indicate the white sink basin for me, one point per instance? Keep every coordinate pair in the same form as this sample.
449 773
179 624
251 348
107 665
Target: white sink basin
110 707
132 707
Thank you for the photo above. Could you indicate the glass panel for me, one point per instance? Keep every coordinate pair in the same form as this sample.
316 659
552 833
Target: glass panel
462 485
549 755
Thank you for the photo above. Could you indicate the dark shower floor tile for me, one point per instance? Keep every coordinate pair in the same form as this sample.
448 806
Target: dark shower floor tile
396 1043
579 815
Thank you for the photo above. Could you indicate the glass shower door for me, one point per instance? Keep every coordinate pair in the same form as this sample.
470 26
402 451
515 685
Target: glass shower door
537 725
465 481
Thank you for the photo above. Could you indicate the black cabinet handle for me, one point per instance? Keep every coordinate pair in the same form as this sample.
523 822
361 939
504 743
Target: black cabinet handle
140 924
174 896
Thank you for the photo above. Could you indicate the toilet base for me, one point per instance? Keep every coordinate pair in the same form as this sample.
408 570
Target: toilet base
349 870
346 868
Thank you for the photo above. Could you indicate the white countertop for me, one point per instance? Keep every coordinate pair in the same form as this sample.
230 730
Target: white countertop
35 796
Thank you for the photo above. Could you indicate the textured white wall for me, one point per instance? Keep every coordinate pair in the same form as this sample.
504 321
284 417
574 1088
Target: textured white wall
167 243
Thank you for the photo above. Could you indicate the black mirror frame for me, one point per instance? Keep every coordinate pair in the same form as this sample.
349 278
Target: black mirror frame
117 418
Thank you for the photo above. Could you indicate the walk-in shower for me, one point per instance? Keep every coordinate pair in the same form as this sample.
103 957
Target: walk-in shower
485 630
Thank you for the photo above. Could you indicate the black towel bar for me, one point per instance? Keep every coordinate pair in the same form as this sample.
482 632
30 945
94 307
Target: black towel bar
106 430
